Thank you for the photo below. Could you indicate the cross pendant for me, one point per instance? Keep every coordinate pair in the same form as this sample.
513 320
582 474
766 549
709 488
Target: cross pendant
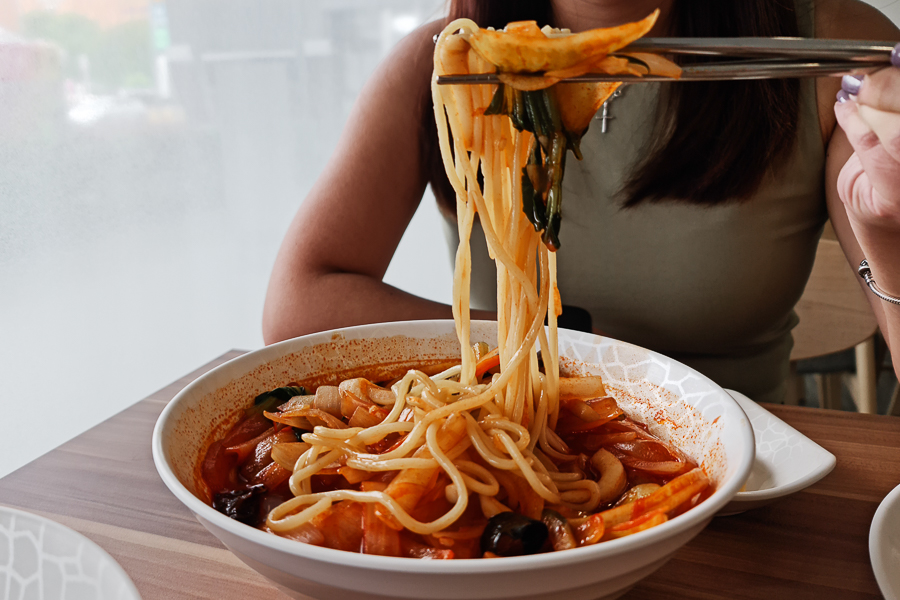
605 117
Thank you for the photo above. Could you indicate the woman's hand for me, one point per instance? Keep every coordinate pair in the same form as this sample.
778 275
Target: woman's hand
864 191
868 111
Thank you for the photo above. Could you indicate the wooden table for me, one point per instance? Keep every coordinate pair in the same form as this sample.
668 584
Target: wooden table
813 544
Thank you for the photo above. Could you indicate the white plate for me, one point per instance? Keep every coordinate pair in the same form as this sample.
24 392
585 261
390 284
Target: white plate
43 560
786 460
884 545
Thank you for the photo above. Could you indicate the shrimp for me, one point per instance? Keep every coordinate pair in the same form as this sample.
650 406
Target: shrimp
523 47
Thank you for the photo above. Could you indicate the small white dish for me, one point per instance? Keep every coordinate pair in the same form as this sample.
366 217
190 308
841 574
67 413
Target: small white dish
43 560
786 460
884 545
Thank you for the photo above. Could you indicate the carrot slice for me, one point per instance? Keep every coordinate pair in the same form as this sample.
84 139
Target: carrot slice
591 530
643 522
490 361
665 499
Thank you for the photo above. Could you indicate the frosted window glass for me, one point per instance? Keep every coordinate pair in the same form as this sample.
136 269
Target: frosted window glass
151 157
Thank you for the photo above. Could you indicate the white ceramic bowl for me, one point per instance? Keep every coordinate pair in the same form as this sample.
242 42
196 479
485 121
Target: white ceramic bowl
680 406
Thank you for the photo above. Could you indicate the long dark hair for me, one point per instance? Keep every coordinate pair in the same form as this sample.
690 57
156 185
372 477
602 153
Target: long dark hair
715 140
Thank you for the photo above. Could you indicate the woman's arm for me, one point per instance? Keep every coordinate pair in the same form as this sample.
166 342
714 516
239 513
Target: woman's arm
863 178
328 272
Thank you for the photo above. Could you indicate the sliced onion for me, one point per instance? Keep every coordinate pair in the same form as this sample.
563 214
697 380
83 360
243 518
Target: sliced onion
365 391
378 537
363 418
648 450
297 403
670 467
306 533
605 407
581 387
290 419
582 410
244 450
644 434
271 476
578 427
320 417
354 476
286 454
329 399
637 492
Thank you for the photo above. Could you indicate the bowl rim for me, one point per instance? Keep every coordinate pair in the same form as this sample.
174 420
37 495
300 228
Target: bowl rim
700 515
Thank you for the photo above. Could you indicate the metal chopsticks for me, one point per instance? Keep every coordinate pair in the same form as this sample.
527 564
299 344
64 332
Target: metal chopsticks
784 47
732 71
763 58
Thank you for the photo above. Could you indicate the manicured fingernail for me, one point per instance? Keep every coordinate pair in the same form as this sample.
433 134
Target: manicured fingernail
851 84
842 96
895 56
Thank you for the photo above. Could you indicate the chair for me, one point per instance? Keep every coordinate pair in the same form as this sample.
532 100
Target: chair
835 316
893 408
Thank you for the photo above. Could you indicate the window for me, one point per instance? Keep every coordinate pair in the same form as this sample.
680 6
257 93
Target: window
151 157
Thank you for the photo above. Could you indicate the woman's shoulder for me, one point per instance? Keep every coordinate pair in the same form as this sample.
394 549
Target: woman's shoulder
398 93
849 20
410 63
852 19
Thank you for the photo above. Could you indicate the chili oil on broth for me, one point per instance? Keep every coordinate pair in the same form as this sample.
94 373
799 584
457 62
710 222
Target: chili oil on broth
669 413
325 363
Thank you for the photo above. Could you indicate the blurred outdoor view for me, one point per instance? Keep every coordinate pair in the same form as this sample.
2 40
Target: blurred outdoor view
151 156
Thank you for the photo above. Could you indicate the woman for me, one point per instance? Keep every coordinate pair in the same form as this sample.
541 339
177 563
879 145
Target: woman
704 238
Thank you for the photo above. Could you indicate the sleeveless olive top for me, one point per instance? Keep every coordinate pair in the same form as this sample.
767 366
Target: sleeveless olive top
712 287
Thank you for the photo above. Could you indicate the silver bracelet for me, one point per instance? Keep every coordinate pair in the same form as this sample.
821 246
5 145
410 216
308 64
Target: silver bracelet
866 273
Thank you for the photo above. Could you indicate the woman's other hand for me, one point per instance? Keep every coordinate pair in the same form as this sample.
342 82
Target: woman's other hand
868 110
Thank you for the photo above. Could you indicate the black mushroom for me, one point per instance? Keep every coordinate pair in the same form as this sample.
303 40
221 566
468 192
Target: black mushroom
561 536
241 505
512 534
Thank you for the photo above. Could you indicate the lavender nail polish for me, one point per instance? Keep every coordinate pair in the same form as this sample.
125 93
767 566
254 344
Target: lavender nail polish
895 56
851 84
842 96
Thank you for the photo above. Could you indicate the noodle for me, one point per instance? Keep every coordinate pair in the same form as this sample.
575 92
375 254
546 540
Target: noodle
470 436
522 399
522 402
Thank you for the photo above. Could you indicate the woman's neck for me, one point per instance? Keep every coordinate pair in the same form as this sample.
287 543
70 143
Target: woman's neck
581 15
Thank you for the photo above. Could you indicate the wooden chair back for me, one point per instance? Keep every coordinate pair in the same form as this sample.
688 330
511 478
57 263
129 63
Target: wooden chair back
835 315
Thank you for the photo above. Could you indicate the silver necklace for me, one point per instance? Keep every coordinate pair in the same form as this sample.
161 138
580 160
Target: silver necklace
604 117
